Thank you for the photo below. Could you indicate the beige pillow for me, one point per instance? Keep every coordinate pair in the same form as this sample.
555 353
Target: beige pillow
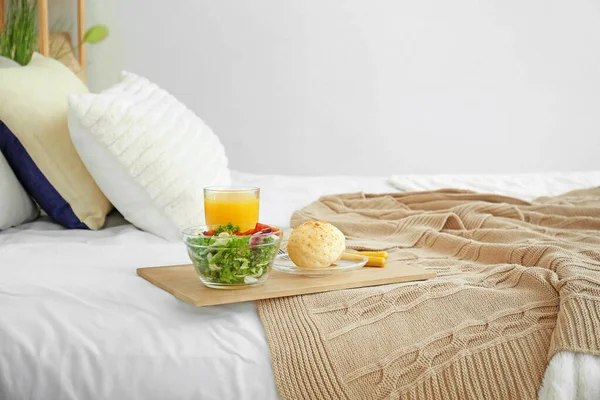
33 106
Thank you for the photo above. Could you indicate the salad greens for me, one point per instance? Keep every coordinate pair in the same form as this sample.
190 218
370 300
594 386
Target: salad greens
229 228
229 259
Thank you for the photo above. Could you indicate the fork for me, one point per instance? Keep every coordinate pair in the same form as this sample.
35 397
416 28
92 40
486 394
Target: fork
283 254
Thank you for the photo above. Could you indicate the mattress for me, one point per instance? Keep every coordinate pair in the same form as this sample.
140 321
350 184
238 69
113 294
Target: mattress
76 322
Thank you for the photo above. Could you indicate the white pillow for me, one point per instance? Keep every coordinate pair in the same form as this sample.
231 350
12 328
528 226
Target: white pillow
16 207
150 155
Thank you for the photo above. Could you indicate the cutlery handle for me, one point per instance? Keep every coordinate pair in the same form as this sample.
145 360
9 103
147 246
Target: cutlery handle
373 261
382 254
352 256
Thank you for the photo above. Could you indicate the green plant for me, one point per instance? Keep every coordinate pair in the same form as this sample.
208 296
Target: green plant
19 40
95 34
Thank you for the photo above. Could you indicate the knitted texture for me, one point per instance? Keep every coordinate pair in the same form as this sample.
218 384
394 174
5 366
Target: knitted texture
149 153
516 283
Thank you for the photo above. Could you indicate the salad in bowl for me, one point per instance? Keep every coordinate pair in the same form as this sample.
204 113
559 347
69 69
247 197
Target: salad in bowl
225 258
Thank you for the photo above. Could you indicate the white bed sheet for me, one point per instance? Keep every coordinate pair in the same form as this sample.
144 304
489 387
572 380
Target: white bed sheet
76 322
522 186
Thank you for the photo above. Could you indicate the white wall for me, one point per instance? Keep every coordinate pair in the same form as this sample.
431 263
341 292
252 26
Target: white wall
372 87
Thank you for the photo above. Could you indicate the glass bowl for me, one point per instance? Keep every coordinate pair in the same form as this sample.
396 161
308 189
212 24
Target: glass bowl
229 261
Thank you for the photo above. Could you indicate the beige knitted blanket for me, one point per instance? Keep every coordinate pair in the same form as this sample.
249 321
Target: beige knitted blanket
517 282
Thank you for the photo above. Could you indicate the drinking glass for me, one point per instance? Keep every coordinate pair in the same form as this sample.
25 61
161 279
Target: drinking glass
240 206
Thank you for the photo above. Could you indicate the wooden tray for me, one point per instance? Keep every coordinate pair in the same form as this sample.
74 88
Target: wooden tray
182 282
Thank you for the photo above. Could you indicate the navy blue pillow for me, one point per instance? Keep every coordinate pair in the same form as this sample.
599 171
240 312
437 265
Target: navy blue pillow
35 182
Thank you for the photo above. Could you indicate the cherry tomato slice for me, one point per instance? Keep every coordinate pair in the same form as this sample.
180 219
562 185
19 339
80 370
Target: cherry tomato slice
259 227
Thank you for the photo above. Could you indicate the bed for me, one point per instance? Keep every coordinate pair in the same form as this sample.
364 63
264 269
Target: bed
76 322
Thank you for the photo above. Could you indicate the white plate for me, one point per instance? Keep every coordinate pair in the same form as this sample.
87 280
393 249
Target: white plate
282 263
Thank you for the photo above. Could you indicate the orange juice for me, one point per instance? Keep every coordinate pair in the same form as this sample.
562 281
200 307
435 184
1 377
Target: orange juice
238 207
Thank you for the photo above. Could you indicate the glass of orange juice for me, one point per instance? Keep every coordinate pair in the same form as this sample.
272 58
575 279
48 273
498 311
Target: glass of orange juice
229 204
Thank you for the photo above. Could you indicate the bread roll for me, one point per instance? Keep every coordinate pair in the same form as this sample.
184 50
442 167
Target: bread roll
316 244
